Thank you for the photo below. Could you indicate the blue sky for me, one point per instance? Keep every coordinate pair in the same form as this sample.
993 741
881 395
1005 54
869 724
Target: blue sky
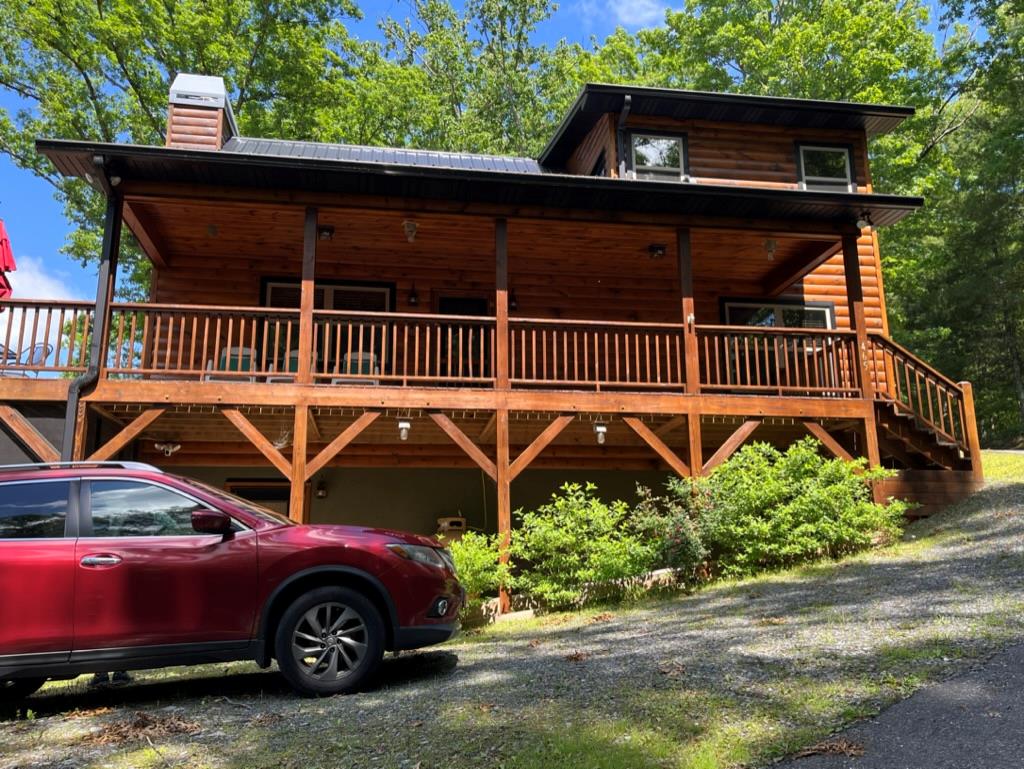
35 221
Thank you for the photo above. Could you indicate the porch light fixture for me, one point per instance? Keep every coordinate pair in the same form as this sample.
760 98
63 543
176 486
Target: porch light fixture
770 246
513 303
167 448
657 251
864 221
403 429
414 298
325 232
600 431
321 489
409 227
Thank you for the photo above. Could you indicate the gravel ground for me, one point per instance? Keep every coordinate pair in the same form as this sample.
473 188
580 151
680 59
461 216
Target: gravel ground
738 674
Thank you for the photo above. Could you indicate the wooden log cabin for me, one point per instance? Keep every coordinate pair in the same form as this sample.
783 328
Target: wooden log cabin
387 336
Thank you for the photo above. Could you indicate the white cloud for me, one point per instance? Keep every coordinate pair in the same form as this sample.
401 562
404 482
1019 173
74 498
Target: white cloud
638 13
33 280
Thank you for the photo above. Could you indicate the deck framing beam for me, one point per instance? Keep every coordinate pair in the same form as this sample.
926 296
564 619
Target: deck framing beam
465 443
343 439
28 435
647 435
731 444
127 434
259 440
538 445
830 443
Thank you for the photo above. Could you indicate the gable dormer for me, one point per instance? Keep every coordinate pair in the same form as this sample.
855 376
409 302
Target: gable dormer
693 137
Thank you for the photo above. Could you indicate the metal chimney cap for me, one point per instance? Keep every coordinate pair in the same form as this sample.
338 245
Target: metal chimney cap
203 91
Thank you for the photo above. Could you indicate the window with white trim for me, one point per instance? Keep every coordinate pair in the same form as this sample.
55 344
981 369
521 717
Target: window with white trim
826 168
657 156
782 315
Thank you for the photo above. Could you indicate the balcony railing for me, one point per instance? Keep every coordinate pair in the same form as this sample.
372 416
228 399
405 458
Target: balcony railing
44 338
596 354
402 348
778 361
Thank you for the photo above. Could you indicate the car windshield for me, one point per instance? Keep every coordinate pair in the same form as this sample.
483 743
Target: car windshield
250 507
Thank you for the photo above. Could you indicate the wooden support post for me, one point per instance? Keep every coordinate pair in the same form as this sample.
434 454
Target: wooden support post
696 444
465 443
539 444
684 251
971 431
503 477
830 443
733 442
297 510
257 439
855 297
305 374
663 451
501 343
127 435
28 435
80 433
347 435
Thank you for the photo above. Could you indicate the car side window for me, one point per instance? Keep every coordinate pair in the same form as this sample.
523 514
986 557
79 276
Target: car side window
33 510
135 509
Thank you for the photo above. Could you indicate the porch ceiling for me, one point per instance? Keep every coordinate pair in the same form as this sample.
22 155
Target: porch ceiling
458 249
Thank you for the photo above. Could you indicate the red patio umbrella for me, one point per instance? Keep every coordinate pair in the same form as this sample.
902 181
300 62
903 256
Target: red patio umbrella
6 262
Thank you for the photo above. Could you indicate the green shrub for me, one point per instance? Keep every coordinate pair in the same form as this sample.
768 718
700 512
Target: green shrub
769 509
669 525
477 561
575 540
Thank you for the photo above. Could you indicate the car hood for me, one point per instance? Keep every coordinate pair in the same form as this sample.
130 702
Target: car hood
346 533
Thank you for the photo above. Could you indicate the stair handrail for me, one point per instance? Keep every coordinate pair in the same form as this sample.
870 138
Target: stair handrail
946 417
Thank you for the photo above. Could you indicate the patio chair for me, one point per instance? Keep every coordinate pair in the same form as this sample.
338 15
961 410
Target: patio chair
357 367
35 355
241 359
290 368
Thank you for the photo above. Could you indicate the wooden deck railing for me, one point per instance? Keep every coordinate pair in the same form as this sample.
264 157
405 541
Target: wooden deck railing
810 362
402 348
912 386
44 337
596 354
168 341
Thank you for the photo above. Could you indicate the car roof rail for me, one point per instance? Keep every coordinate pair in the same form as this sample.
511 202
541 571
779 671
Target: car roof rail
82 463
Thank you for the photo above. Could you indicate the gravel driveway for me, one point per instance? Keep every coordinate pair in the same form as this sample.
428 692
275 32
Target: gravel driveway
737 674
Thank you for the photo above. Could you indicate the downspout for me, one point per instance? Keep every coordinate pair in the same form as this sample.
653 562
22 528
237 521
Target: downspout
620 134
104 292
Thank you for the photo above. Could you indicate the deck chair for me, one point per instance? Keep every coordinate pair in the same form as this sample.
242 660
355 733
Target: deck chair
35 355
241 359
356 367
290 368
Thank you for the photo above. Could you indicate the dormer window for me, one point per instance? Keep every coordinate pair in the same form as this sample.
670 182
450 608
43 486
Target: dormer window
658 156
829 169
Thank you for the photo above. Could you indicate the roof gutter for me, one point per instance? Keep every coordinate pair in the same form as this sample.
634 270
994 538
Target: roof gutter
104 293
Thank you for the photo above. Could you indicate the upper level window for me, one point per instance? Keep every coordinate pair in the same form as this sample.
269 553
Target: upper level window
659 157
826 168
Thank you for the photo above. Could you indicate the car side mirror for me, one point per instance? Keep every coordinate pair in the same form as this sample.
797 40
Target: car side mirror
211 522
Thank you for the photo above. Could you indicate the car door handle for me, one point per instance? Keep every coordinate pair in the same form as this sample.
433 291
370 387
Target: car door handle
101 560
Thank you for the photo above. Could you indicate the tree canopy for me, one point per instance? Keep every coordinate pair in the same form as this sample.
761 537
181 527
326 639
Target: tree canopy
472 76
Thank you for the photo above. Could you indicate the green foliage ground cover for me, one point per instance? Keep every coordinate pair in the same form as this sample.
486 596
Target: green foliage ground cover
762 510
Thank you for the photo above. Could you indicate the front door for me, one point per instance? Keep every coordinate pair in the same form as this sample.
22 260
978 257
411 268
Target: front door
37 559
144 577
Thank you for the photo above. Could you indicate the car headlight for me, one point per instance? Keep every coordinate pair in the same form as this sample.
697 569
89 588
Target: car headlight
428 556
446 554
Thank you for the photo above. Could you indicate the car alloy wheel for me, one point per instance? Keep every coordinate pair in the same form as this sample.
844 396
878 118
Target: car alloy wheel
329 641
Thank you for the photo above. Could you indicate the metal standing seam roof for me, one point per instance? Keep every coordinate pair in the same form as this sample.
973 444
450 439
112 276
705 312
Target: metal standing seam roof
354 153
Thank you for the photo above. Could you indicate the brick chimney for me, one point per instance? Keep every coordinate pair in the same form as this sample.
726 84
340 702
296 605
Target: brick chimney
199 116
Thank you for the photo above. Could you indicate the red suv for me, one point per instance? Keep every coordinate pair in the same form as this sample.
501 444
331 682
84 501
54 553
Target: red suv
119 566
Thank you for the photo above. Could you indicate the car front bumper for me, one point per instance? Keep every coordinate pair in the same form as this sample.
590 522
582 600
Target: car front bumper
424 635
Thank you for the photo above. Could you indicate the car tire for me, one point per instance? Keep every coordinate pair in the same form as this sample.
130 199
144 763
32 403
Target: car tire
17 689
329 641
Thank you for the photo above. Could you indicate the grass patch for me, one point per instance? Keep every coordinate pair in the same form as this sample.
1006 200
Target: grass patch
1003 465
